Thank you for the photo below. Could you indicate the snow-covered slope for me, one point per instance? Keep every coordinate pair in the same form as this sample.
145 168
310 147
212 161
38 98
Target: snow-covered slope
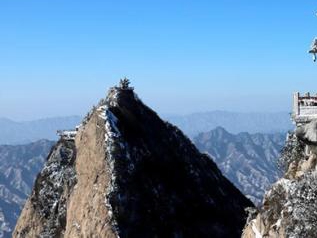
130 174
247 160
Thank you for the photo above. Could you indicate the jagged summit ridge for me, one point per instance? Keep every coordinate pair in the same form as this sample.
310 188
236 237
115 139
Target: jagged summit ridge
137 176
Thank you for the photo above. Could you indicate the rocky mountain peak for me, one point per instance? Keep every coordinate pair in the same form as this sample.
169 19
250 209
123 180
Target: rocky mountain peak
120 96
221 132
127 173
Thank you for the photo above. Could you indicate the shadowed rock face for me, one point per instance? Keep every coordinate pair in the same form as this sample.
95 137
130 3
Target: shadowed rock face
50 193
134 175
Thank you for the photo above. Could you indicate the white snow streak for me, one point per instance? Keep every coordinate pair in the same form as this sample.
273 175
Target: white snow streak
255 230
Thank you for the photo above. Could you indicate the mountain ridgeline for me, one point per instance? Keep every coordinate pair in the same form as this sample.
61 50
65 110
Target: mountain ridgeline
127 173
233 122
247 160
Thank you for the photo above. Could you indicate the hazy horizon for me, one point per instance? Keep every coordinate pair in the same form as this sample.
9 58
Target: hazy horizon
164 115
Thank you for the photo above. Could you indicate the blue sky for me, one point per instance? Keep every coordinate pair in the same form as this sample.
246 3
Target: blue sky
59 57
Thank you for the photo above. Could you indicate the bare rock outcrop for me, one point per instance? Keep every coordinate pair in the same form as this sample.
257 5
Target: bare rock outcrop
127 173
308 132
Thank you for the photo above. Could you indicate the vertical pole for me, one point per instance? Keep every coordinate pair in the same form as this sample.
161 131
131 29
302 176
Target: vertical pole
296 104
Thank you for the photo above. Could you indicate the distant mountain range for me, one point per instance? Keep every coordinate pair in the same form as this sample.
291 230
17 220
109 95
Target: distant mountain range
19 166
233 122
247 160
12 132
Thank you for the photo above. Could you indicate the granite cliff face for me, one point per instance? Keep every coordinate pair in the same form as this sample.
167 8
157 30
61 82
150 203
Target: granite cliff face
289 207
127 173
19 166
247 160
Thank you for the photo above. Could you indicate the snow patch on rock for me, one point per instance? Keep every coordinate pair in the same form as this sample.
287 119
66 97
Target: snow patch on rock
112 143
255 229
